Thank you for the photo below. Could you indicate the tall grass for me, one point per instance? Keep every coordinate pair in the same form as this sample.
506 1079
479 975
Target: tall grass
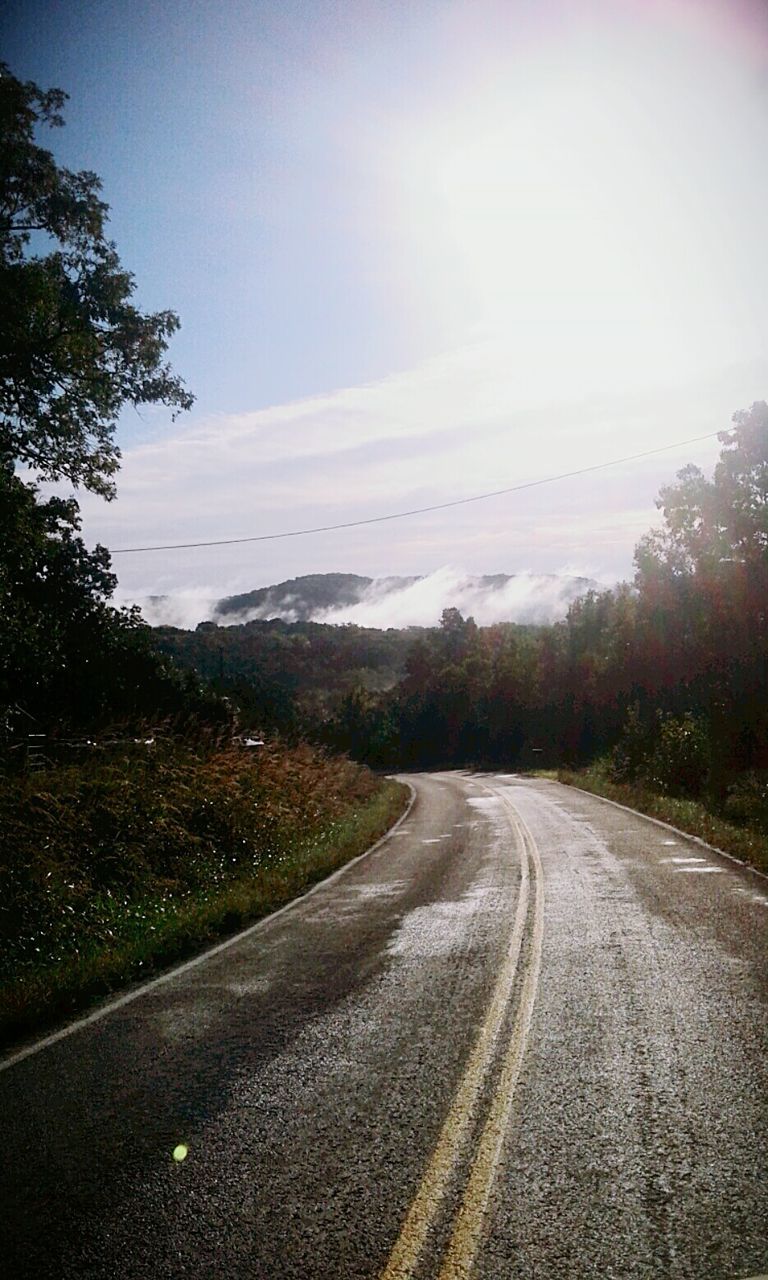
115 867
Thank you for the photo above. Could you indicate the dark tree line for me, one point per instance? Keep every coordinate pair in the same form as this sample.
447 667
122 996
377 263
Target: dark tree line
669 674
290 676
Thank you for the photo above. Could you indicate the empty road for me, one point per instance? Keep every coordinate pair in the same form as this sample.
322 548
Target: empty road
526 1037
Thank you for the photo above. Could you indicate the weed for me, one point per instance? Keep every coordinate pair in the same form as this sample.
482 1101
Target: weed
118 866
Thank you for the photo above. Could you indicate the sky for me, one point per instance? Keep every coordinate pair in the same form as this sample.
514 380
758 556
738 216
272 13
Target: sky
419 251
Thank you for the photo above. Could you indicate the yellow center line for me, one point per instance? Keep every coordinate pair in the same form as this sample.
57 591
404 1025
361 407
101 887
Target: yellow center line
468 1225
426 1203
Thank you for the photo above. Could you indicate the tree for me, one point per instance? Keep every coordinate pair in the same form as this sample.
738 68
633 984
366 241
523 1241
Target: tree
741 482
67 658
703 598
74 349
711 524
51 589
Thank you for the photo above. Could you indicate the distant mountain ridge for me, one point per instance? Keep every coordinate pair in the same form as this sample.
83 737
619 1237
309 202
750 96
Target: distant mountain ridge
340 597
304 596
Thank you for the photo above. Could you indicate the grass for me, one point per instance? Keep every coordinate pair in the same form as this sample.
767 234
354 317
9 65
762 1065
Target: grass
749 843
115 870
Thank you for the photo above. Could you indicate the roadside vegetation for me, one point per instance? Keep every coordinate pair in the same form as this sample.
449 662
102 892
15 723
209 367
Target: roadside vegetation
664 680
742 832
117 866
123 847
657 688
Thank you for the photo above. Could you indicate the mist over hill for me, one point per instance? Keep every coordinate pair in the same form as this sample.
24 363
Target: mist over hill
339 598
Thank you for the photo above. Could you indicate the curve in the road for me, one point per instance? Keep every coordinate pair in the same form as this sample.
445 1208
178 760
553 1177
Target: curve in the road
308 1069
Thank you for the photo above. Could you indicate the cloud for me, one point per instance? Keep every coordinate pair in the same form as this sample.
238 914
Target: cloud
528 597
183 609
471 421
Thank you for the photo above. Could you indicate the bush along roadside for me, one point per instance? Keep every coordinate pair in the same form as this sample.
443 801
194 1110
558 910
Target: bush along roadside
739 830
119 866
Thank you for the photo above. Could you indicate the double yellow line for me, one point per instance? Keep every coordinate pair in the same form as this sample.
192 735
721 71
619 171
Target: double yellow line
425 1207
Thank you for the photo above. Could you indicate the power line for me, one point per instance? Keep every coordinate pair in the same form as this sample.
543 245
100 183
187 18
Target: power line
418 511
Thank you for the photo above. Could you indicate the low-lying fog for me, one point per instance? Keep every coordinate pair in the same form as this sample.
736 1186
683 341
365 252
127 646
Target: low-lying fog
525 597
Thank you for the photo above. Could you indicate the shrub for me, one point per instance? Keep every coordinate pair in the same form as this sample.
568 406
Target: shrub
678 765
747 801
631 753
87 844
670 753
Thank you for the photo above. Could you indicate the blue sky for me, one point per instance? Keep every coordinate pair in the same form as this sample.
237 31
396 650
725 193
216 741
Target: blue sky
419 250
221 132
213 131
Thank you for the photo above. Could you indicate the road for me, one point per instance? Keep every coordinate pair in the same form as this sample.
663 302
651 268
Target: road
526 1037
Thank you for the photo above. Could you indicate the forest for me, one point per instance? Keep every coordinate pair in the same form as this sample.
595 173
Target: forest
137 824
664 678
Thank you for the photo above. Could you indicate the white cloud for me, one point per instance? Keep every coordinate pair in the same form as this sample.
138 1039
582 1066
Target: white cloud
182 609
458 425
527 597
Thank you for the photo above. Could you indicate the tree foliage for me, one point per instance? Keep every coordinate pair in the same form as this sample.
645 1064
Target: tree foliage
74 349
710 525
68 659
669 673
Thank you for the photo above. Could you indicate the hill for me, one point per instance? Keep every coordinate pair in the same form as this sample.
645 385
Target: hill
407 601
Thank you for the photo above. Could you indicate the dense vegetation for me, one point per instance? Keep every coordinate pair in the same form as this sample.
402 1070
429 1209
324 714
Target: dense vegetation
140 853
666 678
135 821
74 350
70 663
669 675
289 676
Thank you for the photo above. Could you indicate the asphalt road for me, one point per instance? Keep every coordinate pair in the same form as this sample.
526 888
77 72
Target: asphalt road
526 1037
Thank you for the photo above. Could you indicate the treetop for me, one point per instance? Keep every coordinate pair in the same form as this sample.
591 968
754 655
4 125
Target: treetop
74 349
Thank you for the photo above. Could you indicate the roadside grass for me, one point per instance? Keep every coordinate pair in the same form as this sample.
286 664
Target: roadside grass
115 871
744 841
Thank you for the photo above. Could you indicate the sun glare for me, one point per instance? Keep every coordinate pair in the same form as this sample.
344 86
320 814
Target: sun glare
557 214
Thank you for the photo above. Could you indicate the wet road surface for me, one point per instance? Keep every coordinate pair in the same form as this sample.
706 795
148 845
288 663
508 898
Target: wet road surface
526 1037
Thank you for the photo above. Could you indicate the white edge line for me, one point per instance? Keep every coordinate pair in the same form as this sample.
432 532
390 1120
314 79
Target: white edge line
746 866
120 1001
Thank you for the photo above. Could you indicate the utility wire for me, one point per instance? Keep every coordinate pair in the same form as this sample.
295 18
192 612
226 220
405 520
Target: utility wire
418 511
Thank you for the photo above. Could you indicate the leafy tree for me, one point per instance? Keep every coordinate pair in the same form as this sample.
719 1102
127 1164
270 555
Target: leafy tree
67 658
457 634
703 599
74 349
741 483
364 726
720 522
